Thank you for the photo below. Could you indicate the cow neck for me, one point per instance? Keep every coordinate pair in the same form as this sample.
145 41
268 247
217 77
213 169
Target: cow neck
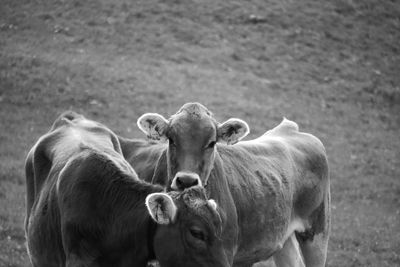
160 175
141 189
138 190
151 232
217 179
218 189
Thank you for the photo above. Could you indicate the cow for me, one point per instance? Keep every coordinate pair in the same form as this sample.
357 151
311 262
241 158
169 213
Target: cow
274 191
86 206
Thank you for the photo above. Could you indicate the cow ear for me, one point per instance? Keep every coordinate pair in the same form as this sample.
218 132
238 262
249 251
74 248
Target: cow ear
232 131
153 125
161 208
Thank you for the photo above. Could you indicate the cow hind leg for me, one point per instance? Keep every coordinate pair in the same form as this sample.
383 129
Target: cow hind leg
314 251
290 254
314 244
314 248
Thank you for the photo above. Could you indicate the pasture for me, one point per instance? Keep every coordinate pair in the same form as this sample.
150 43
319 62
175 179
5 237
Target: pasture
331 66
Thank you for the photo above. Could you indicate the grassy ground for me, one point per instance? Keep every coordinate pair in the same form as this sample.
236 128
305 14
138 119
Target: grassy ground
331 66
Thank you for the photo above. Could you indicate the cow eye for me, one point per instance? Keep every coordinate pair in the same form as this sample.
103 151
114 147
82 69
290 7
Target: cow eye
211 144
197 233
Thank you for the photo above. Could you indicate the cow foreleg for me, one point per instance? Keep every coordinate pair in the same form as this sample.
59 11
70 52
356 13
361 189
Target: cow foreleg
290 254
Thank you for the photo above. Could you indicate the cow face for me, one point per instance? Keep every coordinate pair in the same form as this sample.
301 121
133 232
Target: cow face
192 134
188 229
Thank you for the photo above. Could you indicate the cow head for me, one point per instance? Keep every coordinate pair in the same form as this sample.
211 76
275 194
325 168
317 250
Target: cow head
192 134
189 228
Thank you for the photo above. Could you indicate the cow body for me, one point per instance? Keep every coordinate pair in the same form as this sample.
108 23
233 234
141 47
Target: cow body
86 206
77 212
280 187
273 190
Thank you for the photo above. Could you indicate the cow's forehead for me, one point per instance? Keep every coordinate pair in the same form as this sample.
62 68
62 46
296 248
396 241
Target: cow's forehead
193 118
183 123
194 109
195 200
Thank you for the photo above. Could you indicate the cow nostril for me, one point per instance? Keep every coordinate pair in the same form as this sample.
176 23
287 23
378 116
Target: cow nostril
186 182
178 182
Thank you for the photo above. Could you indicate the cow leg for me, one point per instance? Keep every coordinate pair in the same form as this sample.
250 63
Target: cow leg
315 249
314 245
290 255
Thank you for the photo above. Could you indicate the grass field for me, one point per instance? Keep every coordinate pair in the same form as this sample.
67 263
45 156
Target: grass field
331 66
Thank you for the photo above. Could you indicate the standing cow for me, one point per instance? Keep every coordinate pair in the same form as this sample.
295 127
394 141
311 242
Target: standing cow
273 191
87 207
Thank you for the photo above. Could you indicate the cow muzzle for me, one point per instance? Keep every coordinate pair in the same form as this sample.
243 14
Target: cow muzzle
184 180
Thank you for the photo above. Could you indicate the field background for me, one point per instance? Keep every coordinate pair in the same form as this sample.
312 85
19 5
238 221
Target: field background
331 66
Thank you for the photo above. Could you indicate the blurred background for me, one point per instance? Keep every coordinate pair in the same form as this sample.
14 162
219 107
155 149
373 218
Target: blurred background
331 66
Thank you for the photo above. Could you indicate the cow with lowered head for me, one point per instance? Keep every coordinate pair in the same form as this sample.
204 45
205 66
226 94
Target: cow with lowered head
273 190
87 207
